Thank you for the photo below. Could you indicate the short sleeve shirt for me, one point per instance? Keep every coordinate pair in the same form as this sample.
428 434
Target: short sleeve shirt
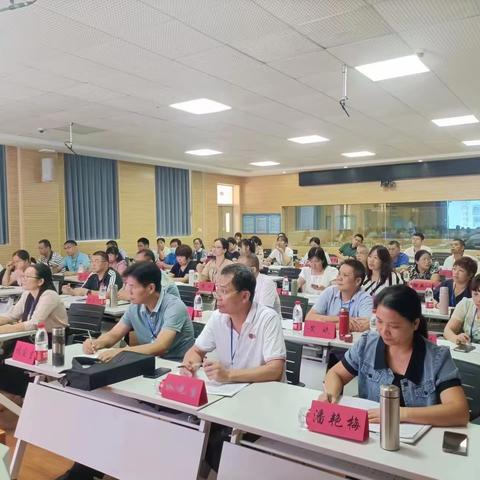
325 279
467 313
71 264
330 302
110 278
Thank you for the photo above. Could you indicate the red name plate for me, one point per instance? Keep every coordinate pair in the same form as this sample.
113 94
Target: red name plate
313 328
24 352
184 389
82 276
206 287
446 273
432 338
190 312
94 300
338 421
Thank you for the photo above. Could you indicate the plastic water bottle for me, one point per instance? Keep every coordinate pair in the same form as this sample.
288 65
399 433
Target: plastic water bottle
428 298
81 268
102 292
197 306
191 277
285 286
373 322
41 345
297 316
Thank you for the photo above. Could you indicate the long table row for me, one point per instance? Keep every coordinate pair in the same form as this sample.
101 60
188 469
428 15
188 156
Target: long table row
129 431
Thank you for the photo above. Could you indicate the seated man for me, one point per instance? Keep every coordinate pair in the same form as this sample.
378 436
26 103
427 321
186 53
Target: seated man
102 275
171 257
417 244
266 289
247 339
400 260
49 257
74 261
457 248
347 293
159 319
349 250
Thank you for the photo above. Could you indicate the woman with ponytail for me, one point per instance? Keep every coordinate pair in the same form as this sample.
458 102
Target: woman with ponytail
399 353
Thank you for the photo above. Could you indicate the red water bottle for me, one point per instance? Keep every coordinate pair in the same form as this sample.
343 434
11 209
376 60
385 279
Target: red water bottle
343 323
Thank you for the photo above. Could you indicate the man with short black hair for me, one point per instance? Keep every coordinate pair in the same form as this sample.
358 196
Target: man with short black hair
49 257
399 260
74 260
266 289
143 243
160 320
349 250
417 244
171 257
102 275
457 247
347 293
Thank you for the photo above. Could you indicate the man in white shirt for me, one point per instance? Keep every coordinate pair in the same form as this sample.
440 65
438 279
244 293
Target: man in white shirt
247 339
457 248
417 244
266 289
282 254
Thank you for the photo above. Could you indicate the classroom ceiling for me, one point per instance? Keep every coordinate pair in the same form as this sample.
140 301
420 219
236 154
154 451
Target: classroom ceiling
113 67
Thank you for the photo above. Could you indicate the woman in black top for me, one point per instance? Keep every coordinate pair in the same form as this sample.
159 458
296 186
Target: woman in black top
184 263
464 269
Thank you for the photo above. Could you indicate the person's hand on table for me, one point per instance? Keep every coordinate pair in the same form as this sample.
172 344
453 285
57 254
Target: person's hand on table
107 355
462 338
327 397
89 347
216 371
374 415
358 325
67 289
189 368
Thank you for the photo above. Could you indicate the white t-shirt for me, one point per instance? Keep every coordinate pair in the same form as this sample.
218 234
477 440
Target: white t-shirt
325 279
275 254
266 293
260 340
467 313
411 252
449 261
305 258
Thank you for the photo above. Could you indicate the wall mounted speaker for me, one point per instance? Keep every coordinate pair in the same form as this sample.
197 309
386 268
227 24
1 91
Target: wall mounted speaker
48 169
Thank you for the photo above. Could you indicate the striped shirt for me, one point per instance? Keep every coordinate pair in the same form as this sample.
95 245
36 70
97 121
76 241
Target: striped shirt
110 278
55 260
374 288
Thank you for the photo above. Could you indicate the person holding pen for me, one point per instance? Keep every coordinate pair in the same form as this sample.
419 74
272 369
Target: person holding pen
464 324
400 354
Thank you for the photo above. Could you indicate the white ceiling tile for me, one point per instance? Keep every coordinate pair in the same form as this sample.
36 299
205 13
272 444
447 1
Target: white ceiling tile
14 91
89 92
31 77
354 26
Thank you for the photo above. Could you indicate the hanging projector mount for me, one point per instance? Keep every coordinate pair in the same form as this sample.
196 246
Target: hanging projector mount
14 5
69 144
343 100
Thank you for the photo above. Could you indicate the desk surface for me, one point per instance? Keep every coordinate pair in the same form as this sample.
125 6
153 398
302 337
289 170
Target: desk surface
271 410
10 291
11 336
113 311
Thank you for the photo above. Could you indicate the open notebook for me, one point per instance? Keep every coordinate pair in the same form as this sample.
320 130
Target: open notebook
409 432
222 389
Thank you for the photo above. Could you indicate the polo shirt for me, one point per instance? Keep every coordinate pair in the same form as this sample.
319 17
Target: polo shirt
71 264
55 260
410 252
260 339
110 278
169 286
467 313
347 250
266 293
449 261
402 259
169 313
329 303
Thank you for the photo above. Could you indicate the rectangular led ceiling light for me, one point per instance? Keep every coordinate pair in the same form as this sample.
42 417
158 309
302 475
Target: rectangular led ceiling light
393 68
201 106
452 121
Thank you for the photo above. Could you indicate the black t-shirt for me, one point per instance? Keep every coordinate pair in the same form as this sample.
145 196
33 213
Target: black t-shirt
110 278
232 255
179 273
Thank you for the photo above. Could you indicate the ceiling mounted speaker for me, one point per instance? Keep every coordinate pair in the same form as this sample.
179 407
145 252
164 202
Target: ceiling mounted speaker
48 169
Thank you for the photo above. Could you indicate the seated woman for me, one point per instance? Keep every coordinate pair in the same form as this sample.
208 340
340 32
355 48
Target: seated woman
464 269
115 260
183 264
246 247
15 269
199 251
380 272
212 269
314 242
464 324
424 268
319 275
38 303
257 241
400 354
282 254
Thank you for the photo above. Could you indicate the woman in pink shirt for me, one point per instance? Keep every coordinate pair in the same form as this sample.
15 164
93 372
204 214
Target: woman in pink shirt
115 260
15 269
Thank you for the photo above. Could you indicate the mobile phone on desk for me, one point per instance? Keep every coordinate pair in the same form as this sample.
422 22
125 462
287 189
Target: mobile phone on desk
158 372
464 348
456 443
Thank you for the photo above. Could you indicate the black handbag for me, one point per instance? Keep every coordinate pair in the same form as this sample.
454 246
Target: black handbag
89 373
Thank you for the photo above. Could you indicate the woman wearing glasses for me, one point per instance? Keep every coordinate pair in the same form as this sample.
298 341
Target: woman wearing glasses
38 303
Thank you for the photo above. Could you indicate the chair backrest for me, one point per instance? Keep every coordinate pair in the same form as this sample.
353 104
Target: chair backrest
294 361
287 302
85 317
197 329
187 294
290 272
470 375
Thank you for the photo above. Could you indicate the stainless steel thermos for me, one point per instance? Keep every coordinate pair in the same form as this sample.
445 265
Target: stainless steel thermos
389 417
58 347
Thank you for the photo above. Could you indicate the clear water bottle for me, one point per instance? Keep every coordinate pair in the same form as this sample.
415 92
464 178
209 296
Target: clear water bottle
428 298
285 286
297 316
406 276
373 322
102 292
81 268
41 345
197 306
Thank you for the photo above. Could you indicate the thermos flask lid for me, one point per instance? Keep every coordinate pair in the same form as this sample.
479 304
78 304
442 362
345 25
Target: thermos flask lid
389 391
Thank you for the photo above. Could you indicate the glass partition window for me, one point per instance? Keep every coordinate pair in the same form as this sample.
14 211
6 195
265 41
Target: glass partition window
440 222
